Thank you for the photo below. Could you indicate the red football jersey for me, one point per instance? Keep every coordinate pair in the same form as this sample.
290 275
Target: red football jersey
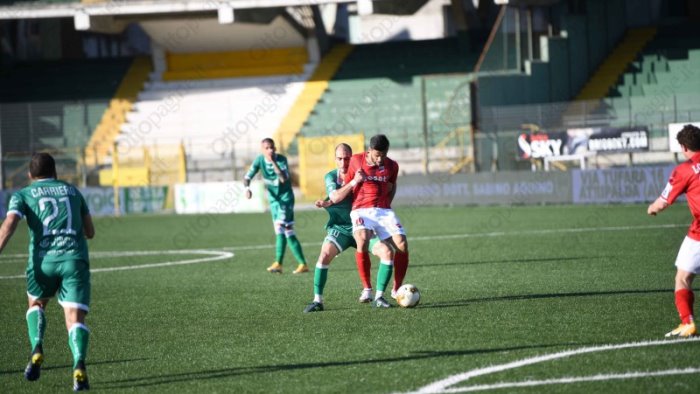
685 178
374 192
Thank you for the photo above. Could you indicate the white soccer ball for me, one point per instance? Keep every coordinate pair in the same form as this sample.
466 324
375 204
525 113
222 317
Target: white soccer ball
408 296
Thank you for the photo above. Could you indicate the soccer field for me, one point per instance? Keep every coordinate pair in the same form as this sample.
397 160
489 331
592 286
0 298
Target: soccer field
526 299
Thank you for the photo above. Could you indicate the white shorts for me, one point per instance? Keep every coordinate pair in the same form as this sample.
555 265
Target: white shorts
689 256
382 221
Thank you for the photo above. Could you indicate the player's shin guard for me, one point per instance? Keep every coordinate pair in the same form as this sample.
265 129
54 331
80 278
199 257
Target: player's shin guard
400 268
364 266
684 303
383 276
320 277
78 337
36 325
295 245
280 246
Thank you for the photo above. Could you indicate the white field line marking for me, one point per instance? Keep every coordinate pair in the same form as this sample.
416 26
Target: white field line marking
545 231
442 386
575 379
14 260
213 256
496 234
428 237
423 238
216 257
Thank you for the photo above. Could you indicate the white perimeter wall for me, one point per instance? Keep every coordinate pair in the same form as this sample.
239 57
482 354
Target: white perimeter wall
207 35
427 23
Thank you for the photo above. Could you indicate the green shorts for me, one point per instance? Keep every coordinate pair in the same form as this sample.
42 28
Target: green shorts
70 279
341 240
282 212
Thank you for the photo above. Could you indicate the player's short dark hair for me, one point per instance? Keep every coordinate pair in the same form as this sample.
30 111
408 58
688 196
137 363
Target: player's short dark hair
689 137
268 140
345 147
42 165
379 142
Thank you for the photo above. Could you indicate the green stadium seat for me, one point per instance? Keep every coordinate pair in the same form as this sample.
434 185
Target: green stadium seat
662 83
383 81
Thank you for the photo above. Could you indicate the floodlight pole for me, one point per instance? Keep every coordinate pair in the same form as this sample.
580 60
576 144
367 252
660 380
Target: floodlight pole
474 103
426 155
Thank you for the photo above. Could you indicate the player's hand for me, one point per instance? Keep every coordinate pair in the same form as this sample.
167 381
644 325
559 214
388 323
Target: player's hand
651 211
360 176
322 203
248 194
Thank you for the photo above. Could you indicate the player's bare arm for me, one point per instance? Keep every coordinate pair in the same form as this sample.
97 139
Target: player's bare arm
657 206
8 228
88 226
340 194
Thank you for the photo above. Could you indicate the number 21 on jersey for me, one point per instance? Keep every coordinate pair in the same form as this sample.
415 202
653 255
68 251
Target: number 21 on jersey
52 205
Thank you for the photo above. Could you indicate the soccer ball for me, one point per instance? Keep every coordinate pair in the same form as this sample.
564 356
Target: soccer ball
408 296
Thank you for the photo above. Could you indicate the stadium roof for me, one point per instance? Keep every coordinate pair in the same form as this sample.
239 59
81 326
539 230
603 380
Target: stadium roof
62 9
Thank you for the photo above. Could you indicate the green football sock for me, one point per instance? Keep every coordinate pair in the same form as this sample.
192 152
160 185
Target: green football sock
36 325
384 275
280 247
78 337
320 277
295 245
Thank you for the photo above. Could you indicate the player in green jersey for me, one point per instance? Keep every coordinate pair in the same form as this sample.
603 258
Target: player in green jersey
339 233
59 222
275 173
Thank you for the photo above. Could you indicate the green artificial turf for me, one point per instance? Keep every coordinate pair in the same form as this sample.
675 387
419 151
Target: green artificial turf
498 284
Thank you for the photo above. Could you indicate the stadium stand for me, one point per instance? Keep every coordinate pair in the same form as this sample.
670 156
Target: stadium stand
216 119
660 85
616 63
236 64
313 89
54 105
10 2
610 71
102 139
68 96
378 89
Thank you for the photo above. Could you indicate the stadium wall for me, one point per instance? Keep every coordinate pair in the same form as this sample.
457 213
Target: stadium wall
609 186
100 200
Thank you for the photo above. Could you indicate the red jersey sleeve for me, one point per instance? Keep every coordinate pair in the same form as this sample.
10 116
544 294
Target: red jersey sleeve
677 183
355 164
394 172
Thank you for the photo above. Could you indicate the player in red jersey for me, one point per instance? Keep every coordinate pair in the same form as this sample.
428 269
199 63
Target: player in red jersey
373 176
685 178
